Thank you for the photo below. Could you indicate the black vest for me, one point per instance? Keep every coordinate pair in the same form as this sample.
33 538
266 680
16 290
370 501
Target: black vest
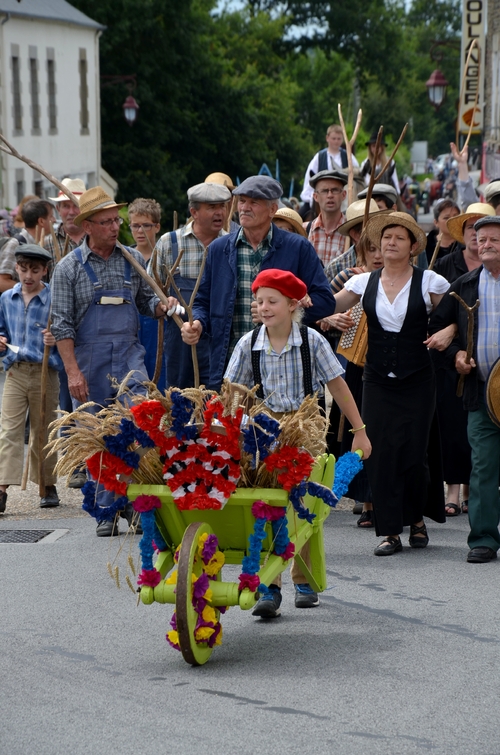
402 353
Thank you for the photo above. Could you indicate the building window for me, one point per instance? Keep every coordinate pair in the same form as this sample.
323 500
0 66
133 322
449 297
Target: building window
16 93
84 92
34 92
51 90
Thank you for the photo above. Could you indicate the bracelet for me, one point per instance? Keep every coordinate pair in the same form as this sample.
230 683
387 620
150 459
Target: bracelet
352 430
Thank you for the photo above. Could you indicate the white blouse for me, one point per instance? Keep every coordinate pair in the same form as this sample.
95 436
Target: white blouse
391 316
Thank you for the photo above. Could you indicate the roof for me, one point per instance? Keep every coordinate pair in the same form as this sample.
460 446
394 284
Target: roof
48 10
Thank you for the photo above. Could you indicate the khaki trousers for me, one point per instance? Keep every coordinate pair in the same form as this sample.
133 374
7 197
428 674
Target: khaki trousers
22 390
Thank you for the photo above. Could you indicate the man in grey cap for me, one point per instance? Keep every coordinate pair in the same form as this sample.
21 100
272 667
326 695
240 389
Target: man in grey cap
483 433
329 193
223 306
208 207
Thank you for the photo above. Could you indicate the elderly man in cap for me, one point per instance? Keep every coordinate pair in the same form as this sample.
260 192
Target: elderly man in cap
329 193
96 298
484 433
223 306
208 207
66 234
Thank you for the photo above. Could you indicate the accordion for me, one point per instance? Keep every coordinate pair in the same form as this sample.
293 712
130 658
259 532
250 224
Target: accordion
353 343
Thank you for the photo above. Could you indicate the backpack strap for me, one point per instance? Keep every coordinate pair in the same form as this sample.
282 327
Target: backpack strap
305 355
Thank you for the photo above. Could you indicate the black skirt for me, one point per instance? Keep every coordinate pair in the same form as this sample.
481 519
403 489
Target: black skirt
404 470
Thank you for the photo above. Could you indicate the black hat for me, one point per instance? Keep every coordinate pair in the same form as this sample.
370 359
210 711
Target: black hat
34 251
373 140
334 175
260 187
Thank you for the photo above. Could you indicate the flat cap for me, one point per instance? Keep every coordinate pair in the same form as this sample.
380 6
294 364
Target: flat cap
209 193
260 187
494 220
385 190
34 251
334 175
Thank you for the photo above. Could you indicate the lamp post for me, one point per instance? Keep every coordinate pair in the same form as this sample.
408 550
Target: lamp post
130 106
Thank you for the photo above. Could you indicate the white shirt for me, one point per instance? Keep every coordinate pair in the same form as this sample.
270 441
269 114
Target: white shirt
391 316
334 163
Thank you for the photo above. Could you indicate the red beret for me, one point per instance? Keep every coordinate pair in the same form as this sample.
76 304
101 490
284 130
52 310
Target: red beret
283 281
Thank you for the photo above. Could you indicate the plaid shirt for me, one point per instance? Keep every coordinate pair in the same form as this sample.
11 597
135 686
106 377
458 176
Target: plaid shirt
488 323
249 262
348 259
190 264
23 327
328 244
282 376
73 291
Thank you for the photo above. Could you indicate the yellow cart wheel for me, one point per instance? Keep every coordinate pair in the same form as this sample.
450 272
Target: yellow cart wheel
190 563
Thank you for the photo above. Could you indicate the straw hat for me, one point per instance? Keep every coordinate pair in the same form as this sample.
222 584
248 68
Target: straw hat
355 214
74 185
292 217
474 212
94 200
220 178
376 225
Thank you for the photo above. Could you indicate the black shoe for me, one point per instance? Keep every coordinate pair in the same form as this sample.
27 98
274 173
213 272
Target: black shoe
268 607
305 597
78 479
418 542
3 501
133 518
388 546
50 500
481 555
107 529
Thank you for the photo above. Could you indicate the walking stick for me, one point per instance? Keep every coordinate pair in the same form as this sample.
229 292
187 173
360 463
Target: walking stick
470 335
42 439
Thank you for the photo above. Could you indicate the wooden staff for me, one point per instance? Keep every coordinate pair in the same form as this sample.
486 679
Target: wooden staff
42 439
470 335
372 174
435 253
349 144
398 144
474 44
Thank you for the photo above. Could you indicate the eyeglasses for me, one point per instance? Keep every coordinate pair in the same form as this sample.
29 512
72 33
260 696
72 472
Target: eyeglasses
138 226
107 223
330 191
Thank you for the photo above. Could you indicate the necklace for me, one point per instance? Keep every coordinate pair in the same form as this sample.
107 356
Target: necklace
391 283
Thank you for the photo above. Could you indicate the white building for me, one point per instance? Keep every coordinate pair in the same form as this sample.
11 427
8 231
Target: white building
49 96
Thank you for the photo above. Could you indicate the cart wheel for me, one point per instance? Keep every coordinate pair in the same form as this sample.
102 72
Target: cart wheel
190 563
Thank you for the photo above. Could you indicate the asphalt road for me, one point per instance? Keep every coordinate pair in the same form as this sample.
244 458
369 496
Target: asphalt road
400 657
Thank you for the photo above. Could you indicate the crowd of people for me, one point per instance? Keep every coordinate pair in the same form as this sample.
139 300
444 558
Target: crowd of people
290 301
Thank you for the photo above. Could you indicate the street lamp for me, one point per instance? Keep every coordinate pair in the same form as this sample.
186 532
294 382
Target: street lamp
436 88
130 106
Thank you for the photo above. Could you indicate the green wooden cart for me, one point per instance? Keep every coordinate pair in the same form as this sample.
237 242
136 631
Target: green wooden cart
232 526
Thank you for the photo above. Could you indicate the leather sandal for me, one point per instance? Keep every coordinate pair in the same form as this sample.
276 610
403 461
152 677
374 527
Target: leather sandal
388 546
455 509
418 542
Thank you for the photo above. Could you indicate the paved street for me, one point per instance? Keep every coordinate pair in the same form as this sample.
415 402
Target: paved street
400 657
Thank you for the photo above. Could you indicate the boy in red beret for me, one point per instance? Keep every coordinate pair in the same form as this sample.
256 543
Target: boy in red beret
290 362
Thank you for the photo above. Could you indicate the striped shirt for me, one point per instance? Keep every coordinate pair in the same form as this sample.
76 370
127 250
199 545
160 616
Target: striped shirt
282 376
73 291
488 323
328 244
249 262
191 260
23 326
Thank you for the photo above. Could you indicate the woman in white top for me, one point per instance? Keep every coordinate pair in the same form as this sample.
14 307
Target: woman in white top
399 393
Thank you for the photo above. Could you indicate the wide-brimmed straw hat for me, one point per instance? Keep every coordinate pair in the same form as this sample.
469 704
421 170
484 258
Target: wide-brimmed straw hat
74 185
292 217
375 227
355 214
94 200
475 211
